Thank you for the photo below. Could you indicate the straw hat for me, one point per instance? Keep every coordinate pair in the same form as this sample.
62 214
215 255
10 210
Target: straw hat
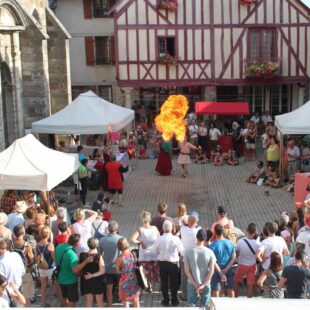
21 206
3 218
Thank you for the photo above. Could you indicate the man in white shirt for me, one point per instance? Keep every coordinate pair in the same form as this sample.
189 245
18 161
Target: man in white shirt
293 154
304 236
17 217
168 249
193 132
255 119
246 249
271 244
11 264
266 118
188 238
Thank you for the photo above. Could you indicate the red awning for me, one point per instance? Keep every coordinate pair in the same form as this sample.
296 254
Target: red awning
222 108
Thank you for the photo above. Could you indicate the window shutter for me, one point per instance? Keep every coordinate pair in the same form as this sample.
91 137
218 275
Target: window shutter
89 49
88 14
112 50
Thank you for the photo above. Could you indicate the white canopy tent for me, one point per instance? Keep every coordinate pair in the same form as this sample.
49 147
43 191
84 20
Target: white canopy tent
87 114
29 165
296 122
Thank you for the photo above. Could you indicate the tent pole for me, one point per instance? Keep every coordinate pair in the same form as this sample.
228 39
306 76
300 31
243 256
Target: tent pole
48 208
281 159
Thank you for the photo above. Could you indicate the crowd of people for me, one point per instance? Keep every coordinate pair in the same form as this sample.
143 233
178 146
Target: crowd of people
90 251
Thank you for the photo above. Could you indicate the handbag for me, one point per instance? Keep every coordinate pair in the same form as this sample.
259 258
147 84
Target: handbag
251 249
56 271
139 270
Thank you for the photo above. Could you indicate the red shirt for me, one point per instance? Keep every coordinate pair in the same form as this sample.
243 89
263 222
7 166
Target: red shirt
61 239
115 180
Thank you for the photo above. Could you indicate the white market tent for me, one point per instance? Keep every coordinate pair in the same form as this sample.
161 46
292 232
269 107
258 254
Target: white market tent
29 165
296 122
87 114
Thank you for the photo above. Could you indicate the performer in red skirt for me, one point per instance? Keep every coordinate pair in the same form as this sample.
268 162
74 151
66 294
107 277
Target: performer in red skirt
164 165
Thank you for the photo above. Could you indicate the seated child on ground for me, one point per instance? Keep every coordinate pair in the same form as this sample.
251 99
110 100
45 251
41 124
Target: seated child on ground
258 173
218 160
200 157
232 158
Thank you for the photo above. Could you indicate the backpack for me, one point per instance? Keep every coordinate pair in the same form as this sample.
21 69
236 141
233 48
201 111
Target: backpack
21 253
40 259
98 235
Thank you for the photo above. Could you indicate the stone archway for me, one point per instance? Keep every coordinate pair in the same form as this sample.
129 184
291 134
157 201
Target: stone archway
7 104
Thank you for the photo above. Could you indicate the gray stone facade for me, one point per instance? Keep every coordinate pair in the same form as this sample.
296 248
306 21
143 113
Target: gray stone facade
35 70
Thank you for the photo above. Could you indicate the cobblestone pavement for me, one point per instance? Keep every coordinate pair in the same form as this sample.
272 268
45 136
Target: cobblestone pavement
203 190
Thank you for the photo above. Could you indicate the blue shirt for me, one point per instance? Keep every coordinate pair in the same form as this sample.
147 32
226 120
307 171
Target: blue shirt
223 251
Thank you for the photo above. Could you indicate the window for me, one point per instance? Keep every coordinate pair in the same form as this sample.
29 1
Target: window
103 50
105 92
262 44
255 96
166 46
78 90
279 98
102 7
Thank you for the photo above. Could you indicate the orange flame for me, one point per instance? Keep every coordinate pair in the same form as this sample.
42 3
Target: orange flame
171 121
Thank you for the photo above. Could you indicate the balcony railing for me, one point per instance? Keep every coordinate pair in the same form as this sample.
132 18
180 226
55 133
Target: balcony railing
263 68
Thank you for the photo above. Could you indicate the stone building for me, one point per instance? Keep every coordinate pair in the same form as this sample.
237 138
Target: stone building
35 66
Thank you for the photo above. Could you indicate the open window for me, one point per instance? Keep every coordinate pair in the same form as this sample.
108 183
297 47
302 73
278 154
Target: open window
166 45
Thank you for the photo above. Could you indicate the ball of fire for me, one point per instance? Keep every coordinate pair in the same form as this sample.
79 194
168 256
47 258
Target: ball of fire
171 120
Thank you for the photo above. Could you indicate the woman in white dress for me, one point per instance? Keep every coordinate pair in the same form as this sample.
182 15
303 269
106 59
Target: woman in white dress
184 156
83 227
145 236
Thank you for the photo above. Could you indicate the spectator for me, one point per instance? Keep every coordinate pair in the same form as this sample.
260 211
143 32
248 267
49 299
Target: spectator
80 153
247 249
83 179
63 235
266 118
82 226
108 247
45 249
5 233
222 219
188 238
271 277
158 220
193 132
128 284
295 277
199 267
8 201
146 236
258 173
304 235
92 275
236 138
273 153
225 254
30 216
115 172
214 134
16 217
292 156
99 227
62 216
182 217
256 120
271 244
69 268
168 249
26 251
9 292
250 134
11 265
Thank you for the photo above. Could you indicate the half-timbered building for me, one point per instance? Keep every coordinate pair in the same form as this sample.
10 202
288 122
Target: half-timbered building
217 50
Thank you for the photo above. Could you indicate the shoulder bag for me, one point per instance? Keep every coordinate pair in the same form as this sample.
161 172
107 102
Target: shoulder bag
141 277
251 249
56 271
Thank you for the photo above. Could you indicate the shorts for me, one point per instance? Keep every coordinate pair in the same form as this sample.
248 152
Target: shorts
248 272
111 278
28 289
216 280
46 273
113 191
250 146
70 291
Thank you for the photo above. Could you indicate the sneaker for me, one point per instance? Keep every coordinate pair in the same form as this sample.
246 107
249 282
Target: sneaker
165 303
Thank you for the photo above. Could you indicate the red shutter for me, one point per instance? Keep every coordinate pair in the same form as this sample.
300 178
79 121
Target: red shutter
88 14
89 49
112 50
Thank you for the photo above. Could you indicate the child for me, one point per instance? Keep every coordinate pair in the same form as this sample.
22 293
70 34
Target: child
142 152
232 159
200 158
218 160
276 180
63 235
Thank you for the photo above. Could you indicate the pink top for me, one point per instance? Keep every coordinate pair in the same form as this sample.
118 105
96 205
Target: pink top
185 147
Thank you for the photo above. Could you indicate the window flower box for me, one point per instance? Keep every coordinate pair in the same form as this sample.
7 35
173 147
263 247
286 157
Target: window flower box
263 69
168 59
247 2
169 5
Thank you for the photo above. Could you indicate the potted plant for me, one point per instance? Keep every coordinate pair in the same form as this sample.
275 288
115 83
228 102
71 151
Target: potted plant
263 69
168 59
169 5
247 2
